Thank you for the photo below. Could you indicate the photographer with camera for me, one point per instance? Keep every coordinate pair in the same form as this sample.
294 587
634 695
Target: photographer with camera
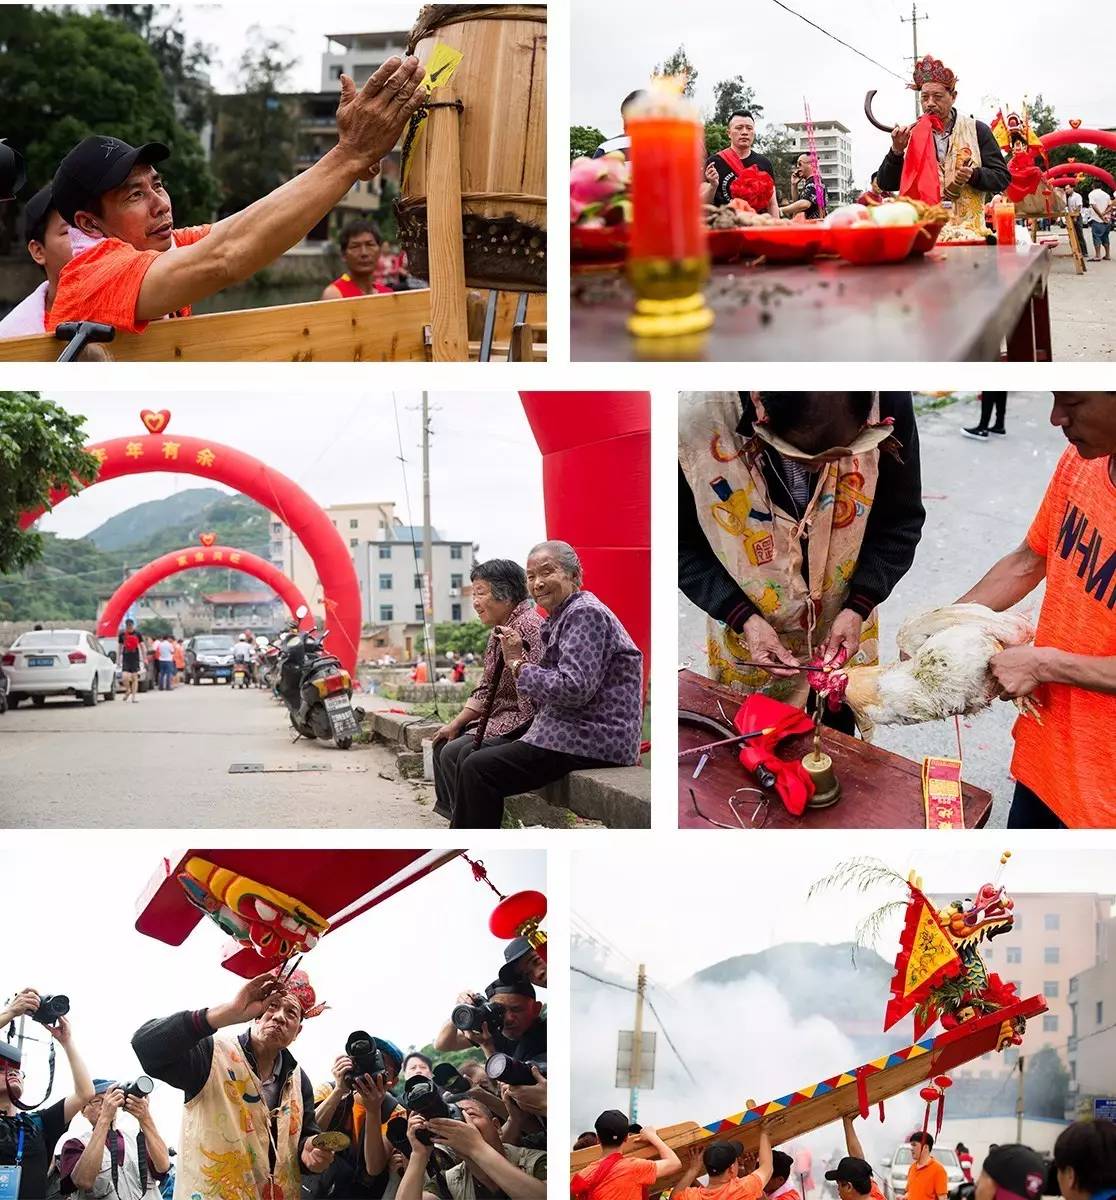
522 962
249 1112
507 1019
108 1161
361 1079
488 1169
28 1136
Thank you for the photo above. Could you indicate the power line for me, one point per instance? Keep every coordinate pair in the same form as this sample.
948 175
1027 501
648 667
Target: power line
669 1042
839 41
607 982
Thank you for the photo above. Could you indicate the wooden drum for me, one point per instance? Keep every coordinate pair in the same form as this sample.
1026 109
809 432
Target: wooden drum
501 83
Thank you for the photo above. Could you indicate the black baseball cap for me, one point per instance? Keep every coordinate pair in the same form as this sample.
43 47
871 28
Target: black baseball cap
36 210
96 165
613 1126
720 1156
514 952
855 1171
1017 1169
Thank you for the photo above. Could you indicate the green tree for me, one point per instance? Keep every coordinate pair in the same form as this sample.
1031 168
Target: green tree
459 637
1045 1085
584 139
41 449
716 137
679 63
778 144
184 64
68 74
1041 116
734 95
256 130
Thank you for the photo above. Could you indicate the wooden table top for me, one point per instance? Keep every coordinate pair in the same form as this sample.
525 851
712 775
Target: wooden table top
879 790
953 305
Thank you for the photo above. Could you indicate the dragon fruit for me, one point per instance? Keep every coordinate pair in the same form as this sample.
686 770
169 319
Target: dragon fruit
599 191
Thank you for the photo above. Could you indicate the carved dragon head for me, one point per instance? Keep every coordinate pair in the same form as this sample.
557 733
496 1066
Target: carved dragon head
970 922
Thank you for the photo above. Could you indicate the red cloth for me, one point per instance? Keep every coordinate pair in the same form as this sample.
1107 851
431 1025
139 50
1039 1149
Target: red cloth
751 184
1025 176
348 289
921 178
793 786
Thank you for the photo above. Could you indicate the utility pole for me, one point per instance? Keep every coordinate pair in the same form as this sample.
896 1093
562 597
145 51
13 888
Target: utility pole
427 539
913 21
637 1046
1019 1105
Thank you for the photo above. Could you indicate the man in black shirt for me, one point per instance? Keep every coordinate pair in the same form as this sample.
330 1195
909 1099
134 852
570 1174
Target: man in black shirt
27 1139
131 647
522 1035
764 503
805 191
737 172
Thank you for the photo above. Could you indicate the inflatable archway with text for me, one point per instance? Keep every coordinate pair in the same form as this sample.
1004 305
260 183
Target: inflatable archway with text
193 558
159 451
1066 173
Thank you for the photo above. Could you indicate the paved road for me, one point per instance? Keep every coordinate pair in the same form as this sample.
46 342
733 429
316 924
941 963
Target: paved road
164 762
980 498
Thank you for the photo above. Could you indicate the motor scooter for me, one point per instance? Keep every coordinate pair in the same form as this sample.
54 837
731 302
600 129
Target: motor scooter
316 689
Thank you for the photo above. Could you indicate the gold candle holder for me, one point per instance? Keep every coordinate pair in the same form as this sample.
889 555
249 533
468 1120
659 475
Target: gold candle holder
827 790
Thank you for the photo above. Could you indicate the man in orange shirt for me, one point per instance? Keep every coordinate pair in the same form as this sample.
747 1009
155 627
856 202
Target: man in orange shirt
615 1177
112 195
926 1179
719 1162
1065 767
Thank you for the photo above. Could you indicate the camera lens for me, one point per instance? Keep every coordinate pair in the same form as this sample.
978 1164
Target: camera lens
463 1016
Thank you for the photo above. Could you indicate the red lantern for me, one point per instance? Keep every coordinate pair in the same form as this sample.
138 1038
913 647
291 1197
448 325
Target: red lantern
520 916
929 1094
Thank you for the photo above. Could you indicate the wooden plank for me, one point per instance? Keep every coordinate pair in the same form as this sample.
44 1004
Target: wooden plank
879 789
826 1101
382 328
445 248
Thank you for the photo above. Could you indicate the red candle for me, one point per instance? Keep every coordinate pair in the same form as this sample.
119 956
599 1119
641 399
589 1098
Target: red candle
667 159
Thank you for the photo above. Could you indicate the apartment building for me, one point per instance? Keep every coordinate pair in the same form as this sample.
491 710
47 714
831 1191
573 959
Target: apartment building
834 147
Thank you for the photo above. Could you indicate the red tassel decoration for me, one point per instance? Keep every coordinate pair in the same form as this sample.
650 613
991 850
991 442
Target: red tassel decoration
882 1117
862 1091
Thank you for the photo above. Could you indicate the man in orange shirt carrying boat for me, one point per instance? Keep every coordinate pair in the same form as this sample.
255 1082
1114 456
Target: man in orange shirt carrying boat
614 1177
1065 766
719 1162
121 216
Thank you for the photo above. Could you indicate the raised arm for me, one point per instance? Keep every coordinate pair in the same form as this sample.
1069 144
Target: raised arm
668 1161
83 1082
852 1142
369 123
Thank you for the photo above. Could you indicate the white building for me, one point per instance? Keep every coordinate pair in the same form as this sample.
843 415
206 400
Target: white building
1092 1043
834 147
358 55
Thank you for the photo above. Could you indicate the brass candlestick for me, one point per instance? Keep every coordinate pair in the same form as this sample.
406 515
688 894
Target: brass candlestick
819 766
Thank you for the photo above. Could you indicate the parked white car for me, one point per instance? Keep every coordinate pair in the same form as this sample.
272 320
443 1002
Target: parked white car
58 662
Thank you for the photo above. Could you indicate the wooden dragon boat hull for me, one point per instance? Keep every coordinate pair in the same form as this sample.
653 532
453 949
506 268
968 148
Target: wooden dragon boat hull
387 328
799 1112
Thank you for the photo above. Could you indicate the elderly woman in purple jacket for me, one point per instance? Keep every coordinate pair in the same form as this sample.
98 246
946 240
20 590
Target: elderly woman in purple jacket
587 690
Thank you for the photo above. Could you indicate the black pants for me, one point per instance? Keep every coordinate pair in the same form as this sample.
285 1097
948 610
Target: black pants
448 759
1029 812
489 774
987 400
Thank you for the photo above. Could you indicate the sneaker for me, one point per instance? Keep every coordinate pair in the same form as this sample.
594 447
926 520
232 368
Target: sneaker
1001 430
978 434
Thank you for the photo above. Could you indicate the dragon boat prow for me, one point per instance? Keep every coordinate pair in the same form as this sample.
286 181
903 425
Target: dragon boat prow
844 1094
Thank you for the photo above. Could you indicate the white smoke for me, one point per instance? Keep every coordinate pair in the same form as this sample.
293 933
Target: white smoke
741 1044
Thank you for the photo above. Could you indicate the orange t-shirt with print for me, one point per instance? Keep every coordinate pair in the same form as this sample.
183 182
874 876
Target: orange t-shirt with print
1069 761
626 1180
103 283
748 1188
928 1182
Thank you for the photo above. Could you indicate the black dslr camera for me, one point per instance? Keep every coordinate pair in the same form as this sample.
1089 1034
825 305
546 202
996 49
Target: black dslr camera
470 1017
425 1097
450 1079
142 1085
50 1009
366 1055
13 175
505 1069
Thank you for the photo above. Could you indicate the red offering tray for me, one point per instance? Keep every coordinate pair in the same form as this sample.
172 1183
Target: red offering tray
791 242
727 245
927 238
874 244
592 243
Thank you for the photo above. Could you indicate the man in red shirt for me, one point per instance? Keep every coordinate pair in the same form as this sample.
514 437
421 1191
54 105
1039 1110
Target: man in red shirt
360 248
615 1177
112 195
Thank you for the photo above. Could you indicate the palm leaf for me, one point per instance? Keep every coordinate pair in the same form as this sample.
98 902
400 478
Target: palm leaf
862 875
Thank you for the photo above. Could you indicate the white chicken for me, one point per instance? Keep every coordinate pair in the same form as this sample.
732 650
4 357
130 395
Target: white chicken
944 672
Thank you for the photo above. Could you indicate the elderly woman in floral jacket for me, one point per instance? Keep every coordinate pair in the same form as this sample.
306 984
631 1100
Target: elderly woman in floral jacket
587 690
501 601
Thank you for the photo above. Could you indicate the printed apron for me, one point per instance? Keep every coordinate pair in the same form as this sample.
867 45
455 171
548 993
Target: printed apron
968 208
226 1140
760 546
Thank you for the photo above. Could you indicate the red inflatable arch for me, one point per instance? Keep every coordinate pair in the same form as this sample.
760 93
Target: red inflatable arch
211 460
596 449
1065 172
191 559
1084 137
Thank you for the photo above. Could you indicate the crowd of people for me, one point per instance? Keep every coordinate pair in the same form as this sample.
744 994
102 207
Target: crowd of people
1082 1167
382 1123
557 693
103 229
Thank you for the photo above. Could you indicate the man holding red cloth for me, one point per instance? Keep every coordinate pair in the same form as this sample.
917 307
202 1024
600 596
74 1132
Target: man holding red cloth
738 173
944 156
